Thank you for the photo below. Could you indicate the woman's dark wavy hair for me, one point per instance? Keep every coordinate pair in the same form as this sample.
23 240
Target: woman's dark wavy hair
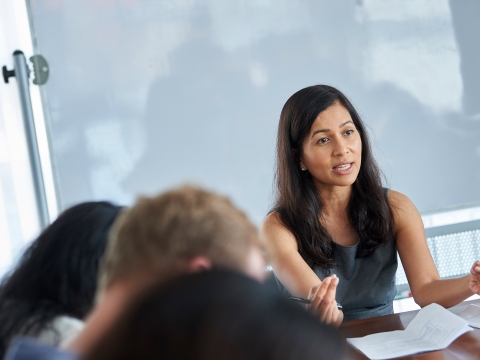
57 274
298 203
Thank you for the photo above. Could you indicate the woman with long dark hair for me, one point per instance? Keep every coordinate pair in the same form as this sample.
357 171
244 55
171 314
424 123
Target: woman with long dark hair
53 286
334 232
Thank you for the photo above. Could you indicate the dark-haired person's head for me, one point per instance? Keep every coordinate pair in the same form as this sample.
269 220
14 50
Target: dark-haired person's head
216 315
298 202
296 119
57 274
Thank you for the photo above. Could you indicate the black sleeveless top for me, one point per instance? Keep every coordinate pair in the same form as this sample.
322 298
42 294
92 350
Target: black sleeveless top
367 285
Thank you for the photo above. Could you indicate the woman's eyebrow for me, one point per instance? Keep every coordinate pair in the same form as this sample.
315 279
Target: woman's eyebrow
345 123
327 130
319 131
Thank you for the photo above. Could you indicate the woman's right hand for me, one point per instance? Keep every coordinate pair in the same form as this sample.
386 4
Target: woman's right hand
475 278
323 303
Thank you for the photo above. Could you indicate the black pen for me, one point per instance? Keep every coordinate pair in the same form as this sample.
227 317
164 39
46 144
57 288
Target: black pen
306 301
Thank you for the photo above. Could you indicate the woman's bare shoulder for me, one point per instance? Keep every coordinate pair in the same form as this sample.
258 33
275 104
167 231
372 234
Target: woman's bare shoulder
272 219
399 202
405 213
397 198
274 233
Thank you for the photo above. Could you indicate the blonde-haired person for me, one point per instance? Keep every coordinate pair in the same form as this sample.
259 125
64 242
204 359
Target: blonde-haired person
184 230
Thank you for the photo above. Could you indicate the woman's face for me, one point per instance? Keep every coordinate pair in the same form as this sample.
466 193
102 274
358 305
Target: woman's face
332 151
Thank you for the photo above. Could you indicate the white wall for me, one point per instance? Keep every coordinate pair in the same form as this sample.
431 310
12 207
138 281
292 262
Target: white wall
146 94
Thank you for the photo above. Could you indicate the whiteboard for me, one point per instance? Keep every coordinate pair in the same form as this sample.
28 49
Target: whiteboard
144 95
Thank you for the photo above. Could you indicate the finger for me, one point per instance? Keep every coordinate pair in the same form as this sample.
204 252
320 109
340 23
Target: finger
313 290
317 297
475 268
329 314
328 307
329 304
332 289
319 289
335 315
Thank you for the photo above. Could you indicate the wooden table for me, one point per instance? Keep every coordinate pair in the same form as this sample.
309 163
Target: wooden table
466 346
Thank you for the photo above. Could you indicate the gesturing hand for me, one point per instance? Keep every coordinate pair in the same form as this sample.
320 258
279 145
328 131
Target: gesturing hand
475 278
323 303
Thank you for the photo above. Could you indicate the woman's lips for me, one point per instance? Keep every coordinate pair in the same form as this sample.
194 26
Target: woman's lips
343 169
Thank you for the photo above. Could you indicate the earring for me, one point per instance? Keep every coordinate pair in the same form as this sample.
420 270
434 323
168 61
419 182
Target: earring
303 169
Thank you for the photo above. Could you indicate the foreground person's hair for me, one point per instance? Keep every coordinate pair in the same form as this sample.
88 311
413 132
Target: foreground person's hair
57 275
179 224
214 315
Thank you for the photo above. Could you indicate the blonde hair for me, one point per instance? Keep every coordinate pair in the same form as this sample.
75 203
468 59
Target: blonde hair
179 224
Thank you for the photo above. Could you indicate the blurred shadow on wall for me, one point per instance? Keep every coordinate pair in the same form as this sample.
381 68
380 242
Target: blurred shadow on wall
466 22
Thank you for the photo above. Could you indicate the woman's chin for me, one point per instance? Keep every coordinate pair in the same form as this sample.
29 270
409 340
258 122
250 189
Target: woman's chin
336 183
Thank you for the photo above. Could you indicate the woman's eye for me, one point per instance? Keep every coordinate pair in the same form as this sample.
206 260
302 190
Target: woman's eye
349 132
322 140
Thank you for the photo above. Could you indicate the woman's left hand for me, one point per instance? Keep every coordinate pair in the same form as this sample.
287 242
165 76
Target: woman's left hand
475 278
323 303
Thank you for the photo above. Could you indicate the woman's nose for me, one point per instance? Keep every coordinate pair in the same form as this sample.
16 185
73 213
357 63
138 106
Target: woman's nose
341 148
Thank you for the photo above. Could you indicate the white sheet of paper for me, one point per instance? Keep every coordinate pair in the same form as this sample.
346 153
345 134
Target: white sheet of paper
433 328
472 315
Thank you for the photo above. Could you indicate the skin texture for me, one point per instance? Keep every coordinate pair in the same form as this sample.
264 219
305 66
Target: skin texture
333 141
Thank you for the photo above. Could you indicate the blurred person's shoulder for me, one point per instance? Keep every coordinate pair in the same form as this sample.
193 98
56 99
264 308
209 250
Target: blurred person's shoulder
25 348
60 331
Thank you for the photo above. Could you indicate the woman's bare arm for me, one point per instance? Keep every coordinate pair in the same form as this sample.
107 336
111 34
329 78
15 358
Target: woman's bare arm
422 275
294 273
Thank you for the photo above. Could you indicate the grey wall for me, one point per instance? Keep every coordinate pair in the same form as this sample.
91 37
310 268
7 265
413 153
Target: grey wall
146 94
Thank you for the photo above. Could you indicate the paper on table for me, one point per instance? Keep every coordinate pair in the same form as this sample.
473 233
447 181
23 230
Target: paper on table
433 328
472 315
